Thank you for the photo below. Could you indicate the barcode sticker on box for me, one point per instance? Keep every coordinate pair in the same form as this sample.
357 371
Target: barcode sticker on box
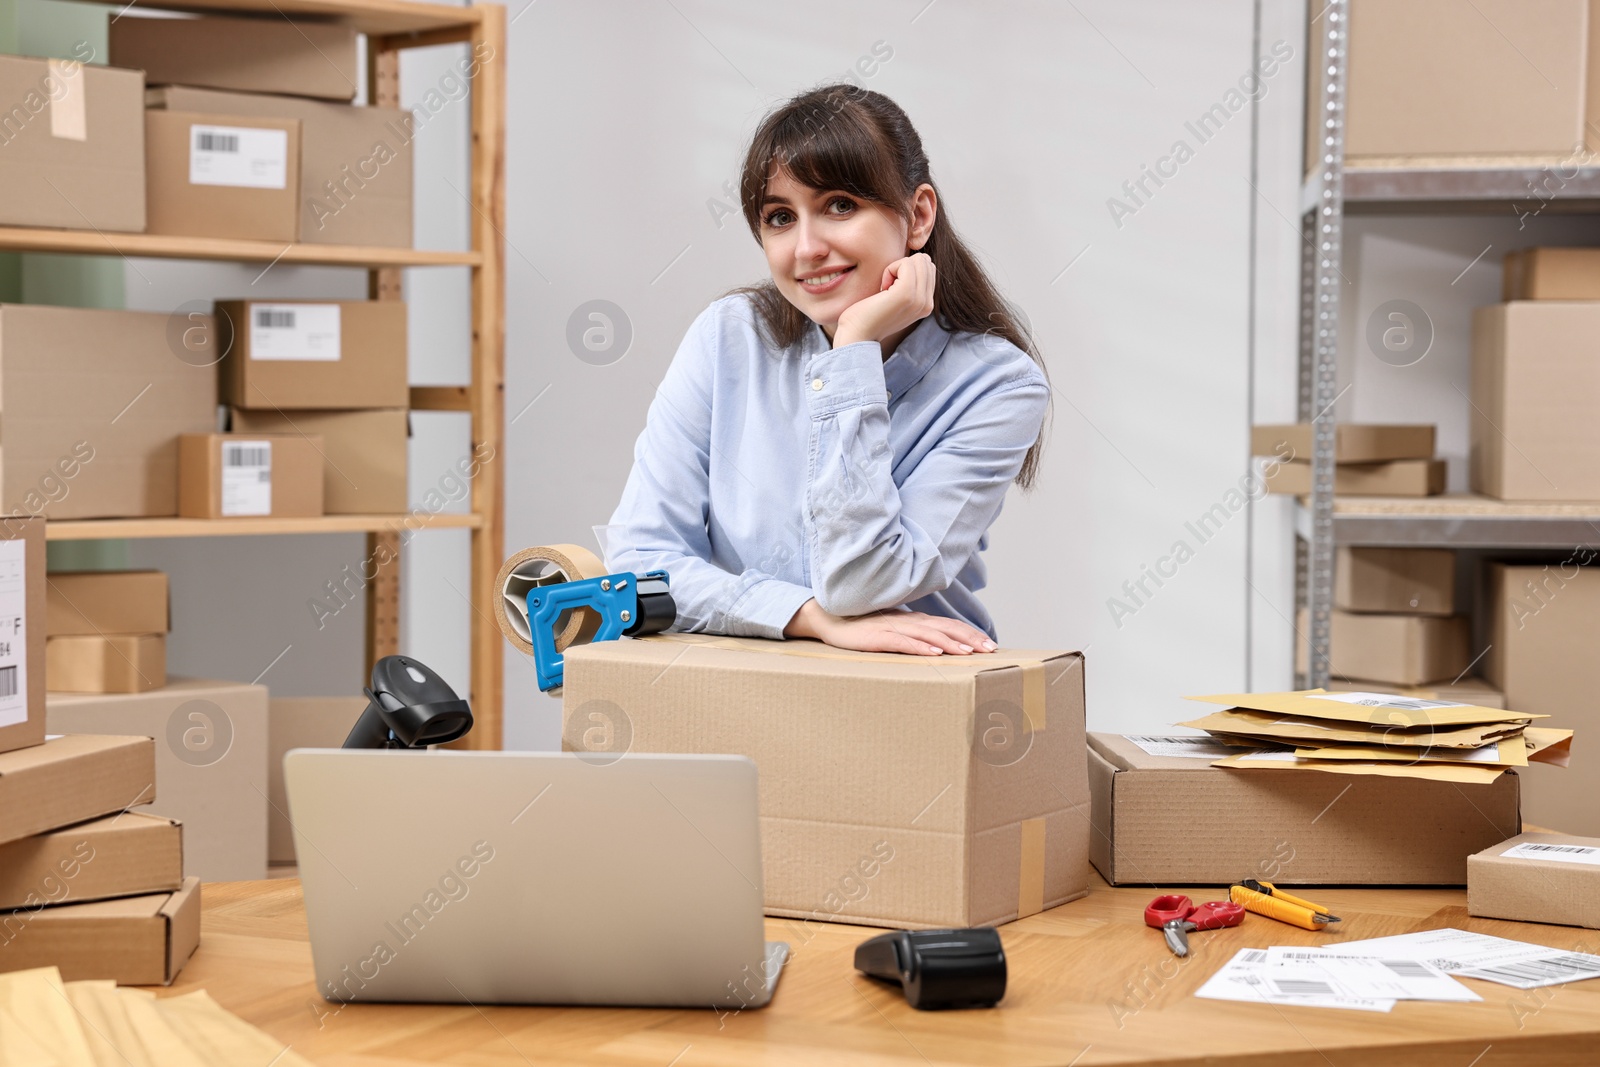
295 332
247 478
1540 850
240 156
1188 747
13 633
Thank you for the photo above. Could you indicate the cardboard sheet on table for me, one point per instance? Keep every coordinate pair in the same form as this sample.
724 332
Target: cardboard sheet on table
1342 707
1432 772
1269 726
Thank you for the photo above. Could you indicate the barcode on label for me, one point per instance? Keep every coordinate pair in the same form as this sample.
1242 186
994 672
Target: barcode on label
274 319
1408 968
1530 846
217 142
1253 955
248 456
8 681
1302 987
1558 967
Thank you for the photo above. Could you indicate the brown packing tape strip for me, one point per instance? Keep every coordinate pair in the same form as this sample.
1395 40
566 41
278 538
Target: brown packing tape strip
1033 695
1030 869
564 563
69 119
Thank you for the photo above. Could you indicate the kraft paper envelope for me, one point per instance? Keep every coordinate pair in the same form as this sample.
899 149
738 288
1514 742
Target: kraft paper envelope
1374 709
1507 752
1433 772
1548 746
1270 726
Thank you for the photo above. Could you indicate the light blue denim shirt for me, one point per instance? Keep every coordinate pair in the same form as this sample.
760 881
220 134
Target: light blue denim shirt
765 477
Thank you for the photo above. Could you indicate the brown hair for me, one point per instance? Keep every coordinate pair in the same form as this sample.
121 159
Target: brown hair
860 142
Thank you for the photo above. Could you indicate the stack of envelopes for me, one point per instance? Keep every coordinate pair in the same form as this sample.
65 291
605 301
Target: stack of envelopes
1377 733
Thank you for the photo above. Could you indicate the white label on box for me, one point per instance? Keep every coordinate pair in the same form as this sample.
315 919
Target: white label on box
295 331
238 155
247 477
1388 700
13 632
1539 850
1187 747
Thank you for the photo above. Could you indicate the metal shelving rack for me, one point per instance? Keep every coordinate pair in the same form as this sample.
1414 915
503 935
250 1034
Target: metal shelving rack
1456 187
391 27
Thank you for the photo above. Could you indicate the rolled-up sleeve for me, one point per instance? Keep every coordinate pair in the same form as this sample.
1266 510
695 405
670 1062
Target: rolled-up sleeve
875 545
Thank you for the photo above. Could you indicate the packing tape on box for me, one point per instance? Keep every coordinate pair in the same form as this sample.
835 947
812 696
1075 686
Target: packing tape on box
69 118
545 565
1030 869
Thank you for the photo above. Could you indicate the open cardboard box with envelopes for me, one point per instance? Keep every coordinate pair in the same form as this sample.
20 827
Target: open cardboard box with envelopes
896 790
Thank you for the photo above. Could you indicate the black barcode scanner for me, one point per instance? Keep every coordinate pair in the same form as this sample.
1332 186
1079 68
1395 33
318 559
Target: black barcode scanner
408 706
939 968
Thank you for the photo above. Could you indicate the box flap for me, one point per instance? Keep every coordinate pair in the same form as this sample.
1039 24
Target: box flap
68 746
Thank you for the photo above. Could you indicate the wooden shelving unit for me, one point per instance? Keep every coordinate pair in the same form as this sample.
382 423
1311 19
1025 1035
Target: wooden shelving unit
391 27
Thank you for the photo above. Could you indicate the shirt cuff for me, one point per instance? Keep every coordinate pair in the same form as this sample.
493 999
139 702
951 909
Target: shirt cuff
765 609
848 377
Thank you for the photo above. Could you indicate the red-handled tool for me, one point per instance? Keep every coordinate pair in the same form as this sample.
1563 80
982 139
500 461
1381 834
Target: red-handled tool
1175 915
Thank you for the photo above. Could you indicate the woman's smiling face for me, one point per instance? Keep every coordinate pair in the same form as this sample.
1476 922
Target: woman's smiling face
827 249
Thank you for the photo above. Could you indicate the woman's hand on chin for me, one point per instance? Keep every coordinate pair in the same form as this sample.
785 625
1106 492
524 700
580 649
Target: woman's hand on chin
906 297
909 632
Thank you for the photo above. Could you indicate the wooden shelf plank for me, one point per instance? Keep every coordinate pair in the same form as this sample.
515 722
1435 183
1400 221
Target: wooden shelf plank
103 529
366 16
97 243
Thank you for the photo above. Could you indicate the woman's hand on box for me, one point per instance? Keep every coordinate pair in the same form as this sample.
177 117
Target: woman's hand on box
909 632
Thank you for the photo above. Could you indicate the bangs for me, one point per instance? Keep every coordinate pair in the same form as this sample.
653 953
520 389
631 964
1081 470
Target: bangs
823 148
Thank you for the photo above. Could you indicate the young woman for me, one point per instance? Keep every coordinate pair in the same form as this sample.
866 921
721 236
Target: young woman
828 449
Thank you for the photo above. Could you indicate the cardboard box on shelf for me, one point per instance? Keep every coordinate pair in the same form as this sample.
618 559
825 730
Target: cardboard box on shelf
1534 379
106 602
94 403
299 722
1401 477
120 855
105 663
1466 78
71 779
330 354
1544 627
22 629
355 162
364 470
299 58
1394 649
1551 274
210 763
229 475
1417 580
73 144
1468 690
222 175
951 791
142 940
1287 827
1537 878
1353 442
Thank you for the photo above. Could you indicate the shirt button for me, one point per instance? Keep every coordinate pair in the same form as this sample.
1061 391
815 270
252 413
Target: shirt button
816 385
888 395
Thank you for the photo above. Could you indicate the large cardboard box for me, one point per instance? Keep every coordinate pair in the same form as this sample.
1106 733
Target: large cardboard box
1537 878
222 175
71 779
105 663
94 403
1353 442
364 452
210 765
1394 649
1401 477
355 162
1544 628
22 632
259 55
71 145
1468 690
106 602
1177 820
1468 78
1416 580
142 940
120 855
1551 274
327 354
1535 386
227 475
957 780
300 722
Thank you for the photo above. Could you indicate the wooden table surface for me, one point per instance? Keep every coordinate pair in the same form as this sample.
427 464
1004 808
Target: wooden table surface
1089 984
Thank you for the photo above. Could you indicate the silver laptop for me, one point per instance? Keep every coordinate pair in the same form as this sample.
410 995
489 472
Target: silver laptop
532 878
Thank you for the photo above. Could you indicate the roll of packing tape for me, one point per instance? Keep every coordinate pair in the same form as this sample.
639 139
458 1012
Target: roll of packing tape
545 565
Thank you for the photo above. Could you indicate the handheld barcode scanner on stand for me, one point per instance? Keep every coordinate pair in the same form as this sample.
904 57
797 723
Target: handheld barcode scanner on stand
408 706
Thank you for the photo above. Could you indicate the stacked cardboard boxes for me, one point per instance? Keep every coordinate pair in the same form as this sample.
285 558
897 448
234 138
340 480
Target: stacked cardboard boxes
1371 459
106 631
